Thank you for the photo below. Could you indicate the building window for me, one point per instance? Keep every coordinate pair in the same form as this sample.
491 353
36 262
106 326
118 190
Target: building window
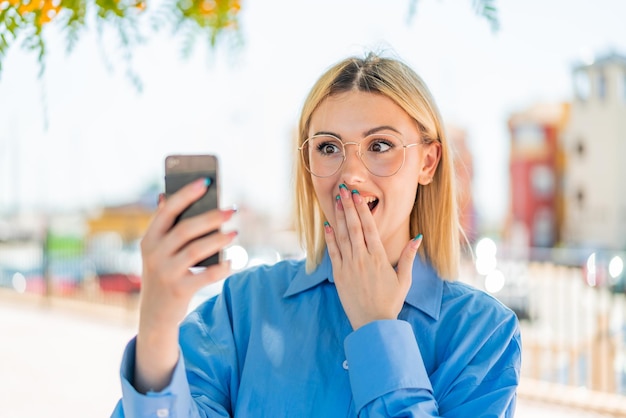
529 137
543 228
580 148
542 180
582 86
601 86
580 198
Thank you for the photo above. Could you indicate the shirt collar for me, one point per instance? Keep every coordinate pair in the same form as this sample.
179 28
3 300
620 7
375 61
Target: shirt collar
425 293
303 281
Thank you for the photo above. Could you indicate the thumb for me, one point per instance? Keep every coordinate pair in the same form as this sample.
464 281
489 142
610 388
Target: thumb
405 264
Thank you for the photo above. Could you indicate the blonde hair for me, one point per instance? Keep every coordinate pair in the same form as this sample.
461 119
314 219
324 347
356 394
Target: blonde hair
434 213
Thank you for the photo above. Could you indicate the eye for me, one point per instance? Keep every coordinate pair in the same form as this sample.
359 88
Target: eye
380 145
328 147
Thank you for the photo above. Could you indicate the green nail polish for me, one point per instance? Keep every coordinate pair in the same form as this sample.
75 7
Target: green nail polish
355 191
207 181
343 186
418 236
326 223
337 197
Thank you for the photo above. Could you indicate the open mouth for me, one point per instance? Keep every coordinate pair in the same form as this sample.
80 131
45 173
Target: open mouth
372 202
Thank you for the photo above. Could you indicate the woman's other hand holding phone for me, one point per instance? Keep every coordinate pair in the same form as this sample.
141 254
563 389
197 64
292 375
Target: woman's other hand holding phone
168 250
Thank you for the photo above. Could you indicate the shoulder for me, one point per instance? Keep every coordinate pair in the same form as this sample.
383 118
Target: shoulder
479 325
476 306
458 292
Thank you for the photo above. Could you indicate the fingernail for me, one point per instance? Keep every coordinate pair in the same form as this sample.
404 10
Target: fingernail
337 197
416 242
355 191
327 227
228 213
203 183
343 191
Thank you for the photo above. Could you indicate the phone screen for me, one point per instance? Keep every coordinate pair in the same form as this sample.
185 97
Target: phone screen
181 170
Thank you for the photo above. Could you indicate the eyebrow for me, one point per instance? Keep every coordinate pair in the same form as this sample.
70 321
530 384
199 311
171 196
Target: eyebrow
366 133
381 128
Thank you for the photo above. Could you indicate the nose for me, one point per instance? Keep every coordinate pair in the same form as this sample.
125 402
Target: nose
353 170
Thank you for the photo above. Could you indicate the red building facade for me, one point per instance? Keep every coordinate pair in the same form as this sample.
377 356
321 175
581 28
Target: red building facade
536 209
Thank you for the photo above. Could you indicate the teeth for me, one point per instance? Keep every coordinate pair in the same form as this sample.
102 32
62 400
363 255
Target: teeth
369 199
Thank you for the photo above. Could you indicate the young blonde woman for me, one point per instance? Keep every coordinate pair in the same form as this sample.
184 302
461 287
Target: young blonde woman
371 323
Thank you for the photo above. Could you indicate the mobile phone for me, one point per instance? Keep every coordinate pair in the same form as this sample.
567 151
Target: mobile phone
181 170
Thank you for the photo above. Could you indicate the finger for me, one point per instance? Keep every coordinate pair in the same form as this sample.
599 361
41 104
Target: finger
199 249
161 200
194 228
352 220
331 245
174 205
405 263
368 225
340 228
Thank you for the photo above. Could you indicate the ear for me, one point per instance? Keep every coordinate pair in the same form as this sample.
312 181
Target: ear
430 161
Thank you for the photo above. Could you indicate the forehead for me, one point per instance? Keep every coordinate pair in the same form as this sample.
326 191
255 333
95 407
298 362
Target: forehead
357 112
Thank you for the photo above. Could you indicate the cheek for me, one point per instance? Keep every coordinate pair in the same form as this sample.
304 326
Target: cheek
403 199
400 194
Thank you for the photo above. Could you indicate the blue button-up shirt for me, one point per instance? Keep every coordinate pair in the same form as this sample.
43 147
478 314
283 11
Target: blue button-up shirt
277 343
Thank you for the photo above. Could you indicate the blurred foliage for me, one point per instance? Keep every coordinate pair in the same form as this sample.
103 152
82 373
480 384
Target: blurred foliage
488 10
26 21
484 8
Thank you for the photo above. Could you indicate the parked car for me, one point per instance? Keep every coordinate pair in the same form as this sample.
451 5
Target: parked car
117 265
65 276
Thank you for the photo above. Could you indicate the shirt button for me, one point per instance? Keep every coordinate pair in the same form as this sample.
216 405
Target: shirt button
163 413
345 365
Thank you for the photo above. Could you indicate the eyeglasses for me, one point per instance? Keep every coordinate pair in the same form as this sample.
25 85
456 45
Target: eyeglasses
323 155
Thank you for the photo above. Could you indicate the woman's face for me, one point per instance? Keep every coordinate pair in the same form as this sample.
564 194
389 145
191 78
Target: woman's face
351 116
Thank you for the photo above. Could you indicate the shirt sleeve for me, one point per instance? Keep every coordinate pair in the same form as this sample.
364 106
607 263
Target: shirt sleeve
389 379
174 400
202 379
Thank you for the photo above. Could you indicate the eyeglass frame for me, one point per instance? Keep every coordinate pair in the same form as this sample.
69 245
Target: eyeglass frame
359 153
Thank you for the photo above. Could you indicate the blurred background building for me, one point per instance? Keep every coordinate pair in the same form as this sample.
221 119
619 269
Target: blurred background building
536 170
594 143
566 171
464 168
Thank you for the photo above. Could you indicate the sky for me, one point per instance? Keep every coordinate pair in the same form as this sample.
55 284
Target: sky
105 141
